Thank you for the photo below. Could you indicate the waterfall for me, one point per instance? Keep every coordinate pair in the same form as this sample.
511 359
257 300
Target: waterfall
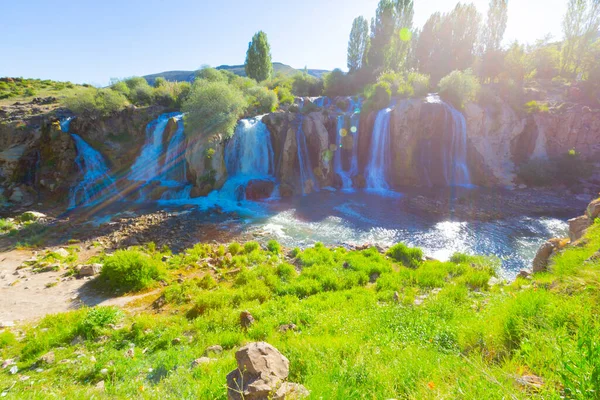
307 177
377 170
165 166
456 169
341 133
96 184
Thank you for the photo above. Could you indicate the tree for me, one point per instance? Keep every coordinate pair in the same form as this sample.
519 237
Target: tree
496 25
383 27
357 45
447 41
401 39
580 26
258 58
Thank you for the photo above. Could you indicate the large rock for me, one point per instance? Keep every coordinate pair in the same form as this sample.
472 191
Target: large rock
593 209
260 375
541 260
206 161
258 189
577 227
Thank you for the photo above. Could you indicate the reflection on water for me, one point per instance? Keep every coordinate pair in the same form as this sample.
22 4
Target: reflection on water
359 218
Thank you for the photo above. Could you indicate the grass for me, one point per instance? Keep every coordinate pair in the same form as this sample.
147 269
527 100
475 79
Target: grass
6 225
368 326
24 90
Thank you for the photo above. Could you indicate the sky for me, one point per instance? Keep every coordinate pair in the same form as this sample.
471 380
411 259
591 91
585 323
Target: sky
91 41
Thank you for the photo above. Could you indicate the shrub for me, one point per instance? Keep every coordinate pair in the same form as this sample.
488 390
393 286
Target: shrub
336 83
101 102
234 248
132 270
567 168
6 225
211 75
419 83
409 257
274 247
213 107
249 247
378 96
97 319
284 95
261 100
305 85
459 87
535 107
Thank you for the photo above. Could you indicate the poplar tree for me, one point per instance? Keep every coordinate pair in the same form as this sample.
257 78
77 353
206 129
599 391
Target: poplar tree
258 58
358 43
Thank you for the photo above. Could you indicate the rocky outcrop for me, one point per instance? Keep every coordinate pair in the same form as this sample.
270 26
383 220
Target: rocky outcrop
542 258
118 137
206 161
578 226
260 375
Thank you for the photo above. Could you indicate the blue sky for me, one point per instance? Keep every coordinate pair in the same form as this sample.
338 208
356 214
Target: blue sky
90 41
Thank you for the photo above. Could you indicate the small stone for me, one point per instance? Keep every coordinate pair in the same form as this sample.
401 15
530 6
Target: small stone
7 363
14 369
104 371
48 358
77 340
130 353
215 349
176 341
287 327
396 297
62 252
7 324
531 382
202 360
24 378
93 359
523 274
100 385
90 270
38 370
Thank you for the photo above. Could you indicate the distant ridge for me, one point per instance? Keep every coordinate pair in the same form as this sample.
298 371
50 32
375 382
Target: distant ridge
188 76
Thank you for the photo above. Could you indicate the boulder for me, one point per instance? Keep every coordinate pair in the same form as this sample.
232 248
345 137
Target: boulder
28 216
89 270
47 358
578 226
593 209
246 319
215 349
540 262
260 375
202 361
258 189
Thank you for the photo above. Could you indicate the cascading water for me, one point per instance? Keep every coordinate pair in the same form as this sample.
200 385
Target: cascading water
248 156
307 177
377 170
96 185
456 170
341 133
167 167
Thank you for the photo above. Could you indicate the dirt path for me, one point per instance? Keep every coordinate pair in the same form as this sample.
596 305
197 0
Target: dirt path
26 296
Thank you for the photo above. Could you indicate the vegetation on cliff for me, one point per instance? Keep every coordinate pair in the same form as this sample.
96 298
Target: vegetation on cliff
353 324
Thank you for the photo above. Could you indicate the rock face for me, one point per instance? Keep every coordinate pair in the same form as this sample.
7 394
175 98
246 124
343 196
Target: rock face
540 262
258 189
578 226
206 160
261 374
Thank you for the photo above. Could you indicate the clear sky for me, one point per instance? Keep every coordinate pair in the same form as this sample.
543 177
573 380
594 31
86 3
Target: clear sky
90 41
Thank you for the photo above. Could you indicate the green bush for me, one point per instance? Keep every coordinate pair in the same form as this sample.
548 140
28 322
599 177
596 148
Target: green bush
97 319
533 107
378 96
6 225
249 247
567 169
131 270
419 83
261 100
304 85
211 75
284 95
273 246
409 257
213 107
234 248
459 87
336 83
101 102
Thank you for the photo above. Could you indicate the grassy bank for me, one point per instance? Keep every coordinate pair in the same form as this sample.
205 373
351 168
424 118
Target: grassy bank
366 326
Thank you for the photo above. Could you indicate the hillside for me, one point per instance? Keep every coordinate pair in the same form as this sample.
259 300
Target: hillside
180 76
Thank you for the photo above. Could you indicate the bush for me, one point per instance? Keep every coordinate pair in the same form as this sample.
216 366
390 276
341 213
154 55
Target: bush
378 96
101 102
336 83
211 75
249 247
274 247
213 107
535 107
409 257
304 85
131 270
459 87
261 100
419 83
6 225
96 319
567 169
284 95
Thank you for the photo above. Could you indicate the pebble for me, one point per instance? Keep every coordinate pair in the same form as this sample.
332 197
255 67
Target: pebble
104 371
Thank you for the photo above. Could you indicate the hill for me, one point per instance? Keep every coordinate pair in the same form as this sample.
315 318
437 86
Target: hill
179 76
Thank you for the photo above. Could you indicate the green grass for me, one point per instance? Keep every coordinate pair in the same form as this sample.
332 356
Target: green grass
6 225
368 327
131 270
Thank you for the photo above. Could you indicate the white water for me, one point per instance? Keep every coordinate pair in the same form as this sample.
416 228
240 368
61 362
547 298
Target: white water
96 185
377 170
456 170
308 182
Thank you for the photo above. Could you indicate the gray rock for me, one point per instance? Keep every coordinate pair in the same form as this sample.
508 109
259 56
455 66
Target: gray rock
578 226
215 349
89 270
48 358
540 262
202 361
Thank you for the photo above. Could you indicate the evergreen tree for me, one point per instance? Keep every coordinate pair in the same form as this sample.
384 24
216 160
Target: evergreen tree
357 45
258 58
